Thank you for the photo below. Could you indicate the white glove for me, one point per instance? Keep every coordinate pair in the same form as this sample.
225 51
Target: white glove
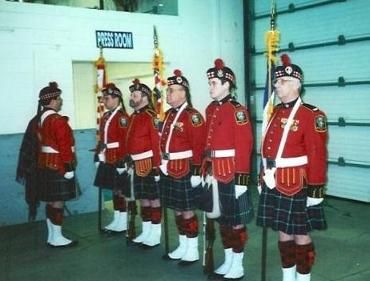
69 175
313 201
259 188
195 181
239 190
97 164
101 157
269 178
121 170
163 167
157 178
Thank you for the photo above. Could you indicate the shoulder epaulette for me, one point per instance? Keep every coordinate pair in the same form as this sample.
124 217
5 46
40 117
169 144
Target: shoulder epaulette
191 109
235 103
55 116
310 107
151 112
122 111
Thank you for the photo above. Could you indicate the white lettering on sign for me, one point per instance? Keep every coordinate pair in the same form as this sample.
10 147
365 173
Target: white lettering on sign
114 39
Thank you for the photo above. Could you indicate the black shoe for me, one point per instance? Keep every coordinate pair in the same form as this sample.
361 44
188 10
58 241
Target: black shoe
112 232
147 247
186 263
233 279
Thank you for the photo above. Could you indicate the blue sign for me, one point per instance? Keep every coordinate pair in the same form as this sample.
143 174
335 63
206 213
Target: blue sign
114 39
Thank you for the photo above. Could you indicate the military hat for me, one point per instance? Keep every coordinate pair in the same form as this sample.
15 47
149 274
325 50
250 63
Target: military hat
178 79
111 89
49 92
137 86
287 69
221 71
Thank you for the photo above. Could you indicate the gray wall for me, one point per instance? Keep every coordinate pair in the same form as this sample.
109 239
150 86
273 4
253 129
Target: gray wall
14 209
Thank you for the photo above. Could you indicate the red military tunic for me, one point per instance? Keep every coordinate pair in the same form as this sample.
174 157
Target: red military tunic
229 128
143 137
113 130
56 142
188 135
307 137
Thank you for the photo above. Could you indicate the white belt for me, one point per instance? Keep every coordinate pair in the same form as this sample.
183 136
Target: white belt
49 149
142 155
112 145
221 153
288 162
177 155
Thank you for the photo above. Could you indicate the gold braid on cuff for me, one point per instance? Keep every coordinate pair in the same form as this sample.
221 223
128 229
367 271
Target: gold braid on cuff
241 179
315 191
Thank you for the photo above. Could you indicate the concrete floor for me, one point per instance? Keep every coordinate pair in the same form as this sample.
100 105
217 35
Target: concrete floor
343 251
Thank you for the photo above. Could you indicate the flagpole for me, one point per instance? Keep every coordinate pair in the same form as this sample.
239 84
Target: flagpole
100 83
158 102
272 40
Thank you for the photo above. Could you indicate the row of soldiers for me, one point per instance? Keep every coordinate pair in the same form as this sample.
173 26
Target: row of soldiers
188 162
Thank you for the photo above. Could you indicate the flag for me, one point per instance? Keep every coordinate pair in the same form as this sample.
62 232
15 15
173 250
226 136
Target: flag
272 41
272 38
159 82
100 83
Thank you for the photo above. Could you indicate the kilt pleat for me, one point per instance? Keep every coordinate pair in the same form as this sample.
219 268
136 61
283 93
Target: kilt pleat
146 187
54 187
289 214
178 194
234 211
107 177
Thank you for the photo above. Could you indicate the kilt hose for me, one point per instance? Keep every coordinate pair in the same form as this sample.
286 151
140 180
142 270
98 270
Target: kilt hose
178 194
54 187
107 177
146 187
289 214
234 211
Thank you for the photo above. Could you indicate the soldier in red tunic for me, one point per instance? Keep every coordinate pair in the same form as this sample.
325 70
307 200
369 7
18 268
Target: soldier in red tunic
143 147
294 158
111 153
229 144
56 163
182 146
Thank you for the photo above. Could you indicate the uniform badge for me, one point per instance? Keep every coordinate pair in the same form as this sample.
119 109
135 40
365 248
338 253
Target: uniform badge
283 122
196 120
179 126
123 122
179 79
220 73
288 70
294 126
241 117
320 123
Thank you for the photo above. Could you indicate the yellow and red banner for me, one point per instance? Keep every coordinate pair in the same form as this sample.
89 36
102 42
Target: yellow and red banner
159 82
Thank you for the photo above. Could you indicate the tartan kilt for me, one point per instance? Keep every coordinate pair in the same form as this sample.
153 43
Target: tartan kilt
178 194
234 211
146 187
54 187
107 177
289 214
